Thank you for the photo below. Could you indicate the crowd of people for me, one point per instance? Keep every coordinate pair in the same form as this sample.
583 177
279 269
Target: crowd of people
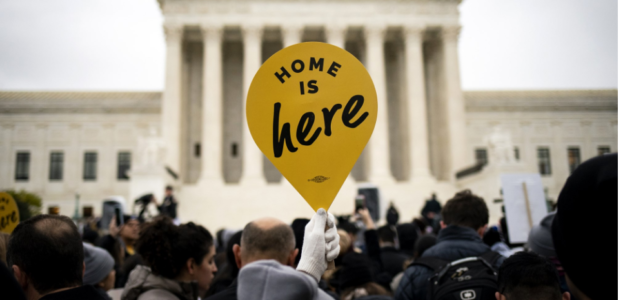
448 252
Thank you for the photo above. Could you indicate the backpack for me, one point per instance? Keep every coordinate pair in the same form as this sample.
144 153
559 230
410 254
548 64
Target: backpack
470 278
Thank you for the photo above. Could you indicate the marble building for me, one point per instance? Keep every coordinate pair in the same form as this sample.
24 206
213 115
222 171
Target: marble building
193 134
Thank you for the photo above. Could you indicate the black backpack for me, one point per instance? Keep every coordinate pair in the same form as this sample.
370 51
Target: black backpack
470 278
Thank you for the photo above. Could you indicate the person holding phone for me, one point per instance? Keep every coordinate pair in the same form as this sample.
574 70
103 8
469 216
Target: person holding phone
119 242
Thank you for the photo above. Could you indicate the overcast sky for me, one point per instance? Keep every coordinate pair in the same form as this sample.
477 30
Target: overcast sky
119 44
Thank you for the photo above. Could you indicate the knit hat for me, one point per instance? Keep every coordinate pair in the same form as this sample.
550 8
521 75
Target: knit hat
589 197
407 235
98 264
355 271
540 237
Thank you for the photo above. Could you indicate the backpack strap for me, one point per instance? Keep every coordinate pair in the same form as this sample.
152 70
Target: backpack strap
430 262
491 257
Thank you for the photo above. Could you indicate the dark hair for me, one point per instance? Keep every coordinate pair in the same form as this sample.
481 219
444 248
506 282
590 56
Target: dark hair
528 276
48 248
276 242
423 243
465 209
386 234
169 188
349 228
165 248
372 288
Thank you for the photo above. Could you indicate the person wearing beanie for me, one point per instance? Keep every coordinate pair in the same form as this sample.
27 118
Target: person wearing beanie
98 269
356 281
589 259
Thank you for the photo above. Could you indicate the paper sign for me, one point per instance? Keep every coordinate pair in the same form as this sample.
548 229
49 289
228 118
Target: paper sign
9 215
524 207
311 109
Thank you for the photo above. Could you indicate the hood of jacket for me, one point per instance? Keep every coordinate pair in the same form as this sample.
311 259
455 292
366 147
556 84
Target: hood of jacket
142 280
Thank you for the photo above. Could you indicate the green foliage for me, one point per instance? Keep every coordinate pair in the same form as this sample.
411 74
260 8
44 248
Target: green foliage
28 204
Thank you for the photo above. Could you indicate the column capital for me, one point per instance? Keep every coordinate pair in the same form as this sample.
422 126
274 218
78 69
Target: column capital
451 32
375 29
210 30
173 32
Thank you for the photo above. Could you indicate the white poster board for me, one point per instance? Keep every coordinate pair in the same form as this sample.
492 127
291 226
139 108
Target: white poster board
524 202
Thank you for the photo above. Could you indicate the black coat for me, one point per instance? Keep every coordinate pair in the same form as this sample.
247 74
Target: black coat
86 292
453 243
393 260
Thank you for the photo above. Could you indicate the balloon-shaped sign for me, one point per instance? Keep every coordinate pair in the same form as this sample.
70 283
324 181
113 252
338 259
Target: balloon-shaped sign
9 215
311 109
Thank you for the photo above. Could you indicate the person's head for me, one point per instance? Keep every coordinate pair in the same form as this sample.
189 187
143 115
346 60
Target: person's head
98 267
540 237
387 236
466 209
423 243
168 191
528 276
266 238
590 196
354 274
235 239
130 229
46 255
183 253
351 229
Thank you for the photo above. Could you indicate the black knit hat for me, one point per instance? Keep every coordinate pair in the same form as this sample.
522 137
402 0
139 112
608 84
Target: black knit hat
589 197
355 271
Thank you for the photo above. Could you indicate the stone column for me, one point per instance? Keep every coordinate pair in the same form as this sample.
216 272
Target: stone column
455 102
291 34
252 171
379 142
336 35
211 152
171 98
416 103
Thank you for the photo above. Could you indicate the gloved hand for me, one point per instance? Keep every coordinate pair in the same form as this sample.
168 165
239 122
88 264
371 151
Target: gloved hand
319 246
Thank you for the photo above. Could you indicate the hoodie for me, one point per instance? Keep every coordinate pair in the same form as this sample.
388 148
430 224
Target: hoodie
143 285
270 280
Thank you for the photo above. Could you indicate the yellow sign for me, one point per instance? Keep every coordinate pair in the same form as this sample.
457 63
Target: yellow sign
311 109
9 215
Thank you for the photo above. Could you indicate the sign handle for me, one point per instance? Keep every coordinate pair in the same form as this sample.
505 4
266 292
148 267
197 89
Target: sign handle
528 210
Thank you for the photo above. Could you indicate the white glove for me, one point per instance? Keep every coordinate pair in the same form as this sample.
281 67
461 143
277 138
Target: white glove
318 245
332 238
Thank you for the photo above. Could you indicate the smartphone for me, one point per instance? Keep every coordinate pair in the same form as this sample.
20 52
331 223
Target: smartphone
119 216
360 202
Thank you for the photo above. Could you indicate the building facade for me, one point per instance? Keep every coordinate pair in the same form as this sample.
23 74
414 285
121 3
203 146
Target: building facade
427 129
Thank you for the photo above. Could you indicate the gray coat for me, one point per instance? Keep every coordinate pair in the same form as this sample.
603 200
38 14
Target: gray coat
270 280
453 243
143 285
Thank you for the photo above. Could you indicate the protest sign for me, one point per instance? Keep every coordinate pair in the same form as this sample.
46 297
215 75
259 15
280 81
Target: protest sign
311 109
9 215
524 202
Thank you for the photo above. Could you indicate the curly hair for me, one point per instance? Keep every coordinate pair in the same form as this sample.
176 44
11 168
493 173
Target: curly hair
165 248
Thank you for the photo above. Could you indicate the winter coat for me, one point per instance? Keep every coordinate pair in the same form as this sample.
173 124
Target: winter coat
143 285
270 280
453 243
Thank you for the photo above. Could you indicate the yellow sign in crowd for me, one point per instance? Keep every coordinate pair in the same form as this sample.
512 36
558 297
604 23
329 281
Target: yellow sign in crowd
311 109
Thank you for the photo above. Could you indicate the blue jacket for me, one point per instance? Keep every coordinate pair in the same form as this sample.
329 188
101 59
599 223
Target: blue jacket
454 242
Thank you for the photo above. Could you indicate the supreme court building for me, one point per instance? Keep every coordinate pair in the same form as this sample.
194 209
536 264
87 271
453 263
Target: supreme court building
430 135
